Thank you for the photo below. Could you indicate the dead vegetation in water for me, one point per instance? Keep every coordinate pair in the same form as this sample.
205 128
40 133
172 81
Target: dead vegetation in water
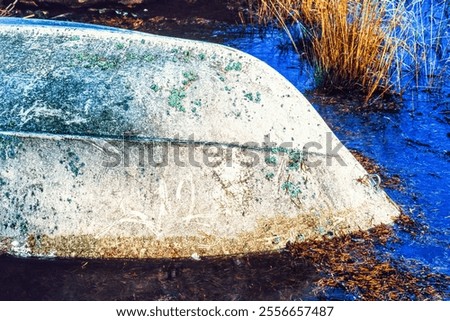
387 181
8 9
347 103
155 17
351 43
351 263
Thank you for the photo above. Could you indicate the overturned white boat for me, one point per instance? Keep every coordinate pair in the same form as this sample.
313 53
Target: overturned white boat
123 144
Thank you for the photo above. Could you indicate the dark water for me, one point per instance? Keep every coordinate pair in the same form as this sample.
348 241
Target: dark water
274 276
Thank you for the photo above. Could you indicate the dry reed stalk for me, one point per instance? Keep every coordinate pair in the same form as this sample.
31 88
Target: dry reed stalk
9 8
353 42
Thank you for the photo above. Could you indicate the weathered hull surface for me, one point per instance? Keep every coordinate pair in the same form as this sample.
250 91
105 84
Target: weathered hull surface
123 144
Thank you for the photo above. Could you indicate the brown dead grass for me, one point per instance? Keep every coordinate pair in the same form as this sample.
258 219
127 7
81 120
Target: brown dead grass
351 263
351 42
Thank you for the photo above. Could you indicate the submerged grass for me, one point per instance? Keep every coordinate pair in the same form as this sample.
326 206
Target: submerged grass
366 45
352 263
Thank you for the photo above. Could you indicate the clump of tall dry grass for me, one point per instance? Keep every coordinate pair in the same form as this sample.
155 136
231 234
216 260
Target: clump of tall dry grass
352 43
366 45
